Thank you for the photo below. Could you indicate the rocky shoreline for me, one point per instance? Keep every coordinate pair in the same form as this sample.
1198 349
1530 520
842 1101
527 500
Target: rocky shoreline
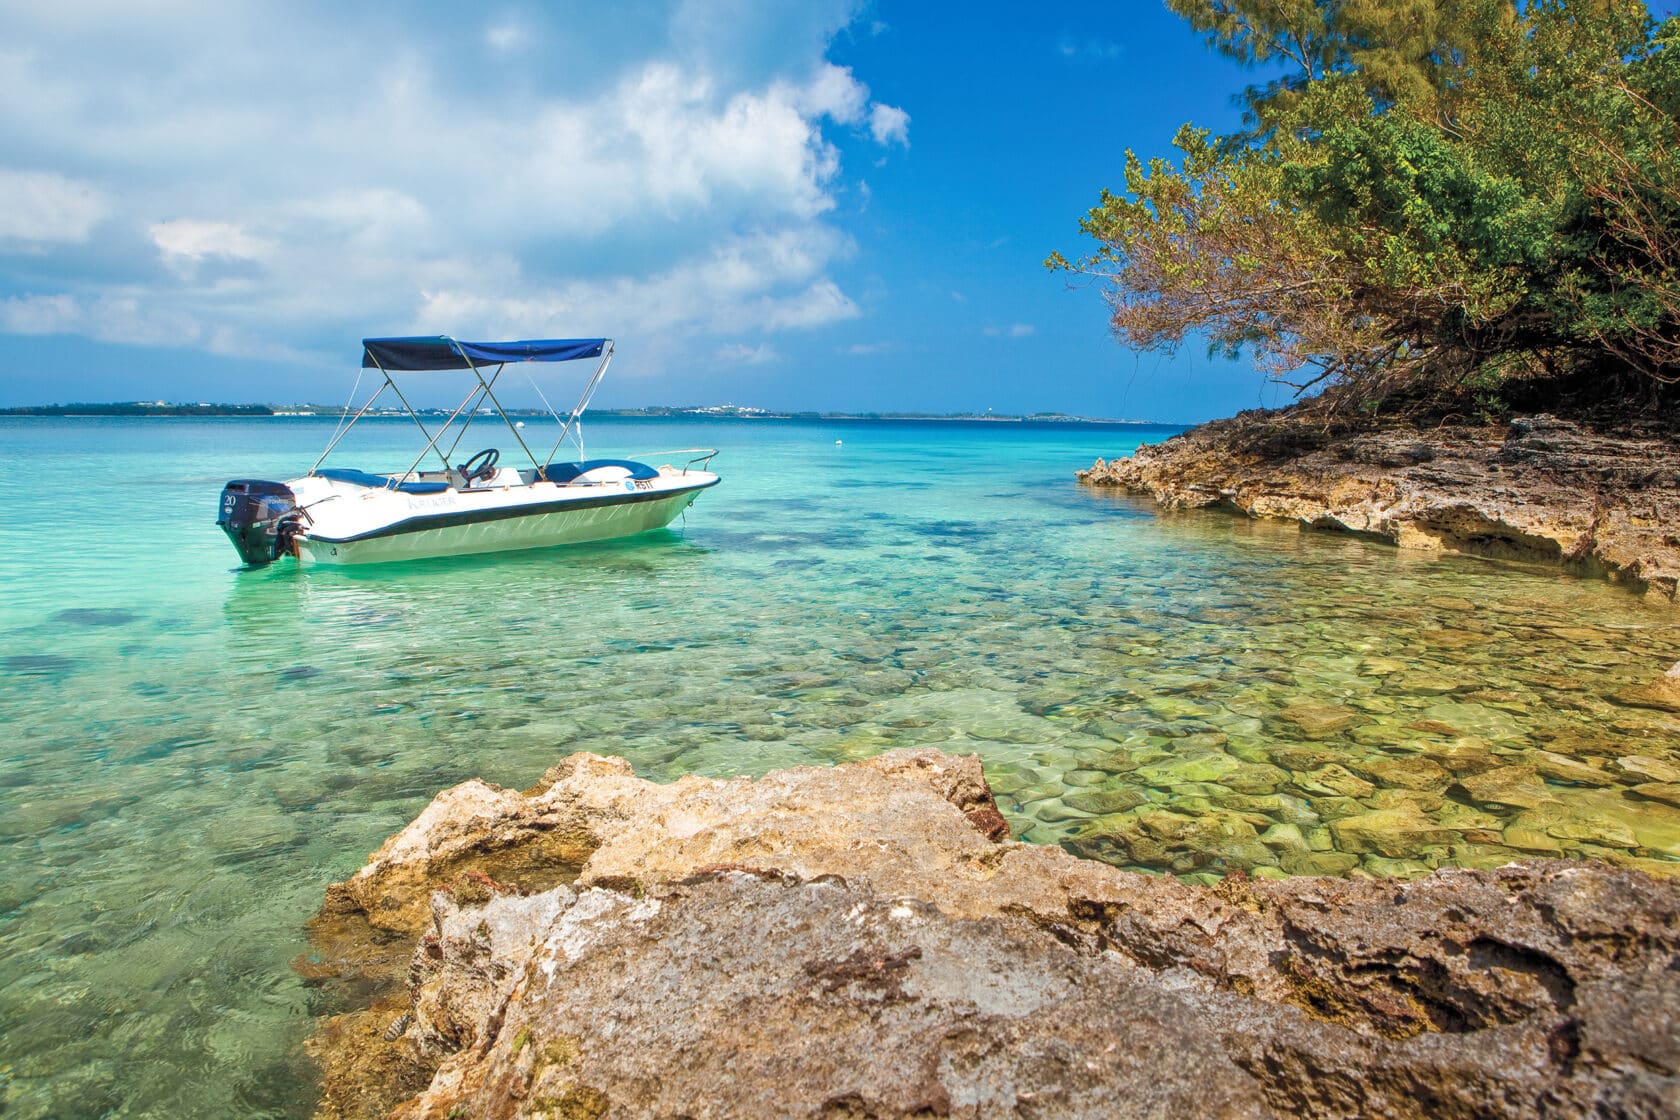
1538 488
864 940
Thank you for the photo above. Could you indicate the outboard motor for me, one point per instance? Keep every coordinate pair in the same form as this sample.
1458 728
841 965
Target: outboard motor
260 518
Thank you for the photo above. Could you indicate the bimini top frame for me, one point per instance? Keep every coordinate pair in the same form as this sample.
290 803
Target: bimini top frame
440 352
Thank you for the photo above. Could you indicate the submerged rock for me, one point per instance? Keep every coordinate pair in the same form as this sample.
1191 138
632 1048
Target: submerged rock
1641 768
1395 833
1337 780
850 942
1105 801
95 616
1205 841
1403 773
1666 792
1560 769
1662 694
1513 787
50 665
1319 721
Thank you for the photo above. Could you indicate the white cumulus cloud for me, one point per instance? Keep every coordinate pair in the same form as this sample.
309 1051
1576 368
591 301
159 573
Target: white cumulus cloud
505 37
889 125
45 206
195 240
833 92
760 282
116 316
258 181
739 353
40 314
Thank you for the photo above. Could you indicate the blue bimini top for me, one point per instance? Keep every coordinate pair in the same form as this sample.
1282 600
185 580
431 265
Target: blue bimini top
431 352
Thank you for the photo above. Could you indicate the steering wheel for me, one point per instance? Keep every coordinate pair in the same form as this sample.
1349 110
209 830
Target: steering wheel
481 466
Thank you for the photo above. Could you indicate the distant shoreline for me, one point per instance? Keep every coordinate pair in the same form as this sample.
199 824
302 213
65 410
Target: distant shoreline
161 410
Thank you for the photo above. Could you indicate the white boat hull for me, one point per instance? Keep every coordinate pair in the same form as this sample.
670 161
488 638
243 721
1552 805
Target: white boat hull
419 528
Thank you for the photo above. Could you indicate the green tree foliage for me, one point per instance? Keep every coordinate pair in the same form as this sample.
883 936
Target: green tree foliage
1436 195
1399 50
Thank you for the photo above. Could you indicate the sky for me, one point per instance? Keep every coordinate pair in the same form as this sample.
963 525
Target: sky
824 204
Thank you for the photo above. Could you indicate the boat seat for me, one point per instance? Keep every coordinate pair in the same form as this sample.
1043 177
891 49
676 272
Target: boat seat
380 482
564 472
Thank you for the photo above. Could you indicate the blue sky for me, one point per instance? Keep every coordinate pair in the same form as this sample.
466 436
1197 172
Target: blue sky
817 205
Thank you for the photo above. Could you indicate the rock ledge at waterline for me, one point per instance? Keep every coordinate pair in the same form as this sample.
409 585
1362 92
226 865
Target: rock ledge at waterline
862 941
1539 488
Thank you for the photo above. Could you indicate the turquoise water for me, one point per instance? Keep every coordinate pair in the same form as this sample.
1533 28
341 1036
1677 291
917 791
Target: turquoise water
189 753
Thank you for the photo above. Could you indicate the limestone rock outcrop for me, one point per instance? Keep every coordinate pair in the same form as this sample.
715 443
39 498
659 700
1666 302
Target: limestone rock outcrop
1539 488
857 941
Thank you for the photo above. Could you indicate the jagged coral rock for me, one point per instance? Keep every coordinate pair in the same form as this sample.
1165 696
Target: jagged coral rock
1540 488
847 942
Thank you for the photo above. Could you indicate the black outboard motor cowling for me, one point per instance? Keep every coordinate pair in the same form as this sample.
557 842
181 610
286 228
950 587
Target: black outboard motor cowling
260 518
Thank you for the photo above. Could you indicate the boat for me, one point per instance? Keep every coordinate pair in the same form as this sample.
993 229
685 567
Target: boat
444 504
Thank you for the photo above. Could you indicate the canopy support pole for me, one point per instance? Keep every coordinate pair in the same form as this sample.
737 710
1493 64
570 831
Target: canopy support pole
465 401
487 392
345 429
431 440
576 416
477 396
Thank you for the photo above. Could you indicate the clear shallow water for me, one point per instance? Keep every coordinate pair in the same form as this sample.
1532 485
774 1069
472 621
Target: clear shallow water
189 754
